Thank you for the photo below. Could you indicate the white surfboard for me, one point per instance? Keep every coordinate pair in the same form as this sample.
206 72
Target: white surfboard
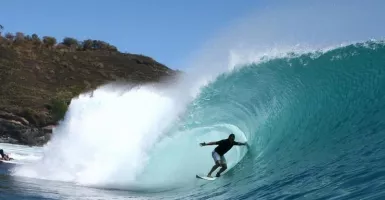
206 177
9 161
12 161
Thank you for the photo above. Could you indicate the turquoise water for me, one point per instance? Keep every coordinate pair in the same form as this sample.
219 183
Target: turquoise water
315 123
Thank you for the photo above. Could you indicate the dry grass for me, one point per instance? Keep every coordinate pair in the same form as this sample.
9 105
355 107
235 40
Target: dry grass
37 82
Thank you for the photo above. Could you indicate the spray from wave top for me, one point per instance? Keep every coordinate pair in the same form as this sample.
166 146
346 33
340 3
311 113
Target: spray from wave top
104 139
120 138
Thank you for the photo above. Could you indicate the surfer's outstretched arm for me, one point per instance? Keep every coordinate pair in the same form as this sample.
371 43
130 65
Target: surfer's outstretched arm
240 143
209 143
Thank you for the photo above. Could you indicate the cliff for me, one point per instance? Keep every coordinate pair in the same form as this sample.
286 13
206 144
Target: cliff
38 78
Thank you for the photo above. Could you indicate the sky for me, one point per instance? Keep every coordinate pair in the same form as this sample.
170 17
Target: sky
167 30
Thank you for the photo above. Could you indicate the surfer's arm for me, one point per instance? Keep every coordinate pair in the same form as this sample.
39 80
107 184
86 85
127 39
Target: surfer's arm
240 143
209 143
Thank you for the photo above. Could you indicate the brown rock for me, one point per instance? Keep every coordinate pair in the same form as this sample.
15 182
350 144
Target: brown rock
10 116
22 134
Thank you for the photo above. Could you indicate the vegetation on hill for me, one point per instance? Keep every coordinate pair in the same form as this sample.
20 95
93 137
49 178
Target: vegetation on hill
39 75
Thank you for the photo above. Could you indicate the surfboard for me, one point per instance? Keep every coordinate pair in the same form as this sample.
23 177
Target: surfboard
206 178
9 161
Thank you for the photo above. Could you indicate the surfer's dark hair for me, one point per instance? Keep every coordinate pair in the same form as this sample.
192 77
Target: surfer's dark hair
232 135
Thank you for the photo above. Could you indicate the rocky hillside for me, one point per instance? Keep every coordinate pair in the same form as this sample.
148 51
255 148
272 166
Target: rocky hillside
38 78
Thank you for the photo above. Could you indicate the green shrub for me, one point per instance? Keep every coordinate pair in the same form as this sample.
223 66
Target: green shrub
49 41
35 39
58 109
70 42
98 45
19 38
87 45
101 45
28 38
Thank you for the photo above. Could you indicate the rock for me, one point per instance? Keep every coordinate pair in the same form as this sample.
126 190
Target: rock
10 116
48 129
56 59
98 64
8 140
103 74
17 133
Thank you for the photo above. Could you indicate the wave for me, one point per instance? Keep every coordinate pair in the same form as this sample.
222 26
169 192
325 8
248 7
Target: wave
311 110
297 112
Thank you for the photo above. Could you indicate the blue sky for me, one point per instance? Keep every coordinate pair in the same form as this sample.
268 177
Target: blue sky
166 30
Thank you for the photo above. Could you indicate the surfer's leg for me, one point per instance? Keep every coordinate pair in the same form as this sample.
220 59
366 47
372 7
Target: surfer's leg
213 169
217 159
224 166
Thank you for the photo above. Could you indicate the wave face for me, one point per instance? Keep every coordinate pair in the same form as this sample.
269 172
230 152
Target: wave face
315 123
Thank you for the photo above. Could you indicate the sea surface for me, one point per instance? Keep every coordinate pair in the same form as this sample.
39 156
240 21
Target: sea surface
315 123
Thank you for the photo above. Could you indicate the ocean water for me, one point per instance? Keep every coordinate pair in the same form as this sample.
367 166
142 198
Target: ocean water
315 123
301 81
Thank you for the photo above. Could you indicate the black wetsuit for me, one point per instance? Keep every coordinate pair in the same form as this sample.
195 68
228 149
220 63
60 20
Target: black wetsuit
224 146
2 153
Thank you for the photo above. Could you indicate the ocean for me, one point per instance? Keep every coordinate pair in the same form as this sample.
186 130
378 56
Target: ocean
315 123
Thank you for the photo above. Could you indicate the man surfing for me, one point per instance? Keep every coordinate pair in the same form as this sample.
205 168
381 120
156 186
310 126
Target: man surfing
218 154
4 156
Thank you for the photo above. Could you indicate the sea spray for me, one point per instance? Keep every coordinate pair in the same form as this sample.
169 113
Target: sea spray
105 137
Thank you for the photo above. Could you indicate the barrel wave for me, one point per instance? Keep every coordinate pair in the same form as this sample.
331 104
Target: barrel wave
314 122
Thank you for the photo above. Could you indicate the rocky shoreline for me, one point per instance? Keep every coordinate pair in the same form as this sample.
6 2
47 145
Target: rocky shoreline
17 130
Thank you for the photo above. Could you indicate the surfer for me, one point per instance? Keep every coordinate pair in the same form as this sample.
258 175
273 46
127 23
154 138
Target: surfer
218 153
4 156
